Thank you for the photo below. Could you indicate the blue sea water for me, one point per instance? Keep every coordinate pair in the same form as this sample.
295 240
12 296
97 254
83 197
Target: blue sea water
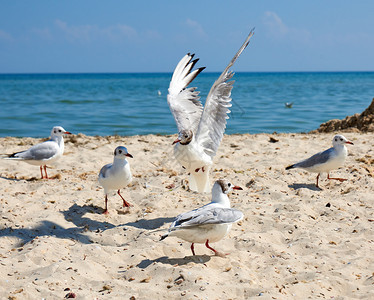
129 104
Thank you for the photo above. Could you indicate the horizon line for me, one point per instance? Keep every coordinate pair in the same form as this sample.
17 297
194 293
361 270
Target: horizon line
166 72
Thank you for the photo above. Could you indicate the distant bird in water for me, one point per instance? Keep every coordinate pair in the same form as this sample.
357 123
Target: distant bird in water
330 159
44 153
288 104
116 175
159 92
209 223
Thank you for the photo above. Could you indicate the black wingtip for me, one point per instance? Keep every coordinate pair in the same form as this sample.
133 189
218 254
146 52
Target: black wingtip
194 62
198 71
13 155
191 55
163 237
290 167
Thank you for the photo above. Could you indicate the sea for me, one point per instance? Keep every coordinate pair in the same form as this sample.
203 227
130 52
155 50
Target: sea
129 104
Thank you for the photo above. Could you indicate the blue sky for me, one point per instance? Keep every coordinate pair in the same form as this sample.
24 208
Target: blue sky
151 36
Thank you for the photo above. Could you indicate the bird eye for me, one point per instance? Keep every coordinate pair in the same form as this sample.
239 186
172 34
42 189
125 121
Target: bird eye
341 139
120 151
59 130
229 184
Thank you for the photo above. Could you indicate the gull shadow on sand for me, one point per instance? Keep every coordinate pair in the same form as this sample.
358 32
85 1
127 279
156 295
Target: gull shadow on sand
150 224
45 228
309 186
75 214
197 259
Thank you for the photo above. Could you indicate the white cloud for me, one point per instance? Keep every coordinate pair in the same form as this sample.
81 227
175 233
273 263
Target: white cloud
125 30
277 28
87 33
196 26
274 23
82 32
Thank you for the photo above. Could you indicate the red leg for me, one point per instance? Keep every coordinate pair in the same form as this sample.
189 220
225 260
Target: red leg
45 171
317 181
340 179
207 245
214 250
41 171
193 249
125 203
106 205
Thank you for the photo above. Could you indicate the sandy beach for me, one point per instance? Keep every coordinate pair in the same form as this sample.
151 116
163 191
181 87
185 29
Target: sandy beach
295 242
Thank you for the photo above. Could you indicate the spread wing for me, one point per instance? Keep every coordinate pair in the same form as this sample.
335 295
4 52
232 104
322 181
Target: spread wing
206 216
40 151
184 102
213 120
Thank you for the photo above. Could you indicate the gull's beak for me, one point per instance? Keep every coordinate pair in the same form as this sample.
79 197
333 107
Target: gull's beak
348 142
67 132
237 188
129 155
176 141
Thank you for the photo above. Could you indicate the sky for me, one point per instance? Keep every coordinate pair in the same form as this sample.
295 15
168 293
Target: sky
85 36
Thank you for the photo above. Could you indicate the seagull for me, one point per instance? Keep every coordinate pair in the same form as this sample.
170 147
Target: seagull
44 153
288 104
116 175
200 130
209 223
330 159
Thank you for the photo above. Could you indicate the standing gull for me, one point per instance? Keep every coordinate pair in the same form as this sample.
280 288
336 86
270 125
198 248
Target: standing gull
209 223
44 153
116 175
324 162
200 129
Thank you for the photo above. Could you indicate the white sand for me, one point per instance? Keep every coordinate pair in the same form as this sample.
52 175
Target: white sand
295 242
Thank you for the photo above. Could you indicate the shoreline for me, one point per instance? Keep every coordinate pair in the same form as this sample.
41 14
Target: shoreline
295 241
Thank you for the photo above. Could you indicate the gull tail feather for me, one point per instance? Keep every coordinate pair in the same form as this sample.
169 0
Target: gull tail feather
290 167
10 156
199 181
164 236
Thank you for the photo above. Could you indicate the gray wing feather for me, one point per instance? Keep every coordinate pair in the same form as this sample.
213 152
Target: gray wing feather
213 120
41 151
203 216
316 159
104 170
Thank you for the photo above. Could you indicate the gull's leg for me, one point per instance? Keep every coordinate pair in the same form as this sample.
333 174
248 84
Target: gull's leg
317 181
340 179
193 249
106 212
45 171
41 171
125 203
214 250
